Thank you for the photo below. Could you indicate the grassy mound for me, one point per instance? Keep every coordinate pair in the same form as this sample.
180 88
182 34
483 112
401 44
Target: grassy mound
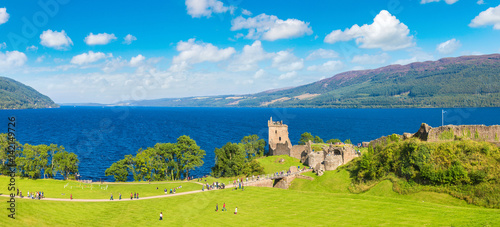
272 164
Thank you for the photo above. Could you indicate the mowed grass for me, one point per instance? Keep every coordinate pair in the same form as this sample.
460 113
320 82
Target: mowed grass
272 164
256 207
63 189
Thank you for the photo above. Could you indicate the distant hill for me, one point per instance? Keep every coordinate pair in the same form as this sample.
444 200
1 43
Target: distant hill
467 81
15 95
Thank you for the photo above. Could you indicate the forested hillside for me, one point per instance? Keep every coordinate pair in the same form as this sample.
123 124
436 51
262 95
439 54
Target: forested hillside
15 95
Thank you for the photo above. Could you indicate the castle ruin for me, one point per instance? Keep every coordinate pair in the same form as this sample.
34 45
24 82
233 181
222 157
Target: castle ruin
329 158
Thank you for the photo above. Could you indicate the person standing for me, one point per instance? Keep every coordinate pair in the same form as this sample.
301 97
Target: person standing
131 196
224 207
71 196
120 198
161 216
217 207
236 210
137 195
111 197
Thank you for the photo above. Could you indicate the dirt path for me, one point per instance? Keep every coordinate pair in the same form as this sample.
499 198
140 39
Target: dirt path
117 200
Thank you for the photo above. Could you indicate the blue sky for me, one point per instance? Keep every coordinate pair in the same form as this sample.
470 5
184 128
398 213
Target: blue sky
110 51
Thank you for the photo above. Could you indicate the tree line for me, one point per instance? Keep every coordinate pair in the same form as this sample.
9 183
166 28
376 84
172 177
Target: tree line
306 136
164 161
37 161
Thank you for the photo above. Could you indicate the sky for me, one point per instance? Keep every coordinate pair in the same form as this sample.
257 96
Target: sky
77 51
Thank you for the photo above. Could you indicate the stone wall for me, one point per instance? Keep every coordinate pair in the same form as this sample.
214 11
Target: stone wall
473 132
280 149
298 151
261 183
284 183
278 134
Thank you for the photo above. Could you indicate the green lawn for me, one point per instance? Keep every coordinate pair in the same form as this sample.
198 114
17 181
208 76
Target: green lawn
256 207
271 164
63 189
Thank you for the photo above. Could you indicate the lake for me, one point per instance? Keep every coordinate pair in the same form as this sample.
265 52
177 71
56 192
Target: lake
103 135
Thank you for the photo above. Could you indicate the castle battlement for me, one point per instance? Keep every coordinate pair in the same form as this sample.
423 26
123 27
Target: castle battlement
279 143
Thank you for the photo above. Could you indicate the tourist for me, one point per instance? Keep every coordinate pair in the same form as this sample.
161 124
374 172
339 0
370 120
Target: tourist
236 210
216 207
71 196
137 195
134 195
111 197
224 207
161 216
120 198
18 192
203 188
131 196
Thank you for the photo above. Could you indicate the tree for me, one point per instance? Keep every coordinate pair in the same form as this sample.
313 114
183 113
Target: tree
191 156
333 141
66 163
4 152
229 160
347 141
305 137
253 146
317 140
118 170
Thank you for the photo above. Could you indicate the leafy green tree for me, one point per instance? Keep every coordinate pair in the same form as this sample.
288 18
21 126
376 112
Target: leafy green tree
119 170
66 163
254 147
4 155
333 141
348 141
317 140
229 160
253 168
305 137
191 156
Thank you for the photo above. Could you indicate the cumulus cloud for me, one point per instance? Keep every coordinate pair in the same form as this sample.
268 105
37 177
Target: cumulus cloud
246 12
329 66
449 2
386 32
260 73
32 48
87 58
129 39
99 39
205 8
448 47
137 60
270 27
480 2
3 45
322 54
11 59
366 59
54 39
249 58
288 75
4 16
192 52
416 56
287 61
491 16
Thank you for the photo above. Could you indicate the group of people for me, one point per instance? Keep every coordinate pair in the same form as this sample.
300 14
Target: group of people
214 185
33 195
135 195
120 196
224 208
172 191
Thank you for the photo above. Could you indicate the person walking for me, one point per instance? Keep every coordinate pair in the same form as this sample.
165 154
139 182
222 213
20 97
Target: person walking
161 216
236 210
217 207
71 196
137 195
224 207
120 198
111 197
131 196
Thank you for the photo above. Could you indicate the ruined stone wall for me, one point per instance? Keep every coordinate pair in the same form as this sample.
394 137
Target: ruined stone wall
261 183
349 153
280 149
284 183
298 150
333 161
278 134
314 159
473 132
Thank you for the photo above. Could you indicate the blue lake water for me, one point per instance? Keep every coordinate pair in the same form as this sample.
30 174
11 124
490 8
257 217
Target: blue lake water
101 136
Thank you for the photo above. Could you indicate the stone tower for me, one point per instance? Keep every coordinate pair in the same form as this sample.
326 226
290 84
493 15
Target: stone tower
279 143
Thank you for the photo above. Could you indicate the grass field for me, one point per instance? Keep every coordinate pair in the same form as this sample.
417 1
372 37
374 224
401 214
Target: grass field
63 189
272 164
324 201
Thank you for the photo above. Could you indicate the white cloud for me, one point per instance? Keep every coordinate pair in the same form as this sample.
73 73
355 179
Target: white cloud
129 39
250 57
491 16
270 27
54 39
449 2
386 32
329 66
246 12
4 16
137 60
4 45
40 59
448 47
366 59
480 2
11 59
286 61
114 64
322 54
288 75
260 73
86 58
192 52
99 39
205 8
32 48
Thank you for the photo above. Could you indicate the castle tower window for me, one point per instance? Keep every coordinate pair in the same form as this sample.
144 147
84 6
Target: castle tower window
280 138
275 131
